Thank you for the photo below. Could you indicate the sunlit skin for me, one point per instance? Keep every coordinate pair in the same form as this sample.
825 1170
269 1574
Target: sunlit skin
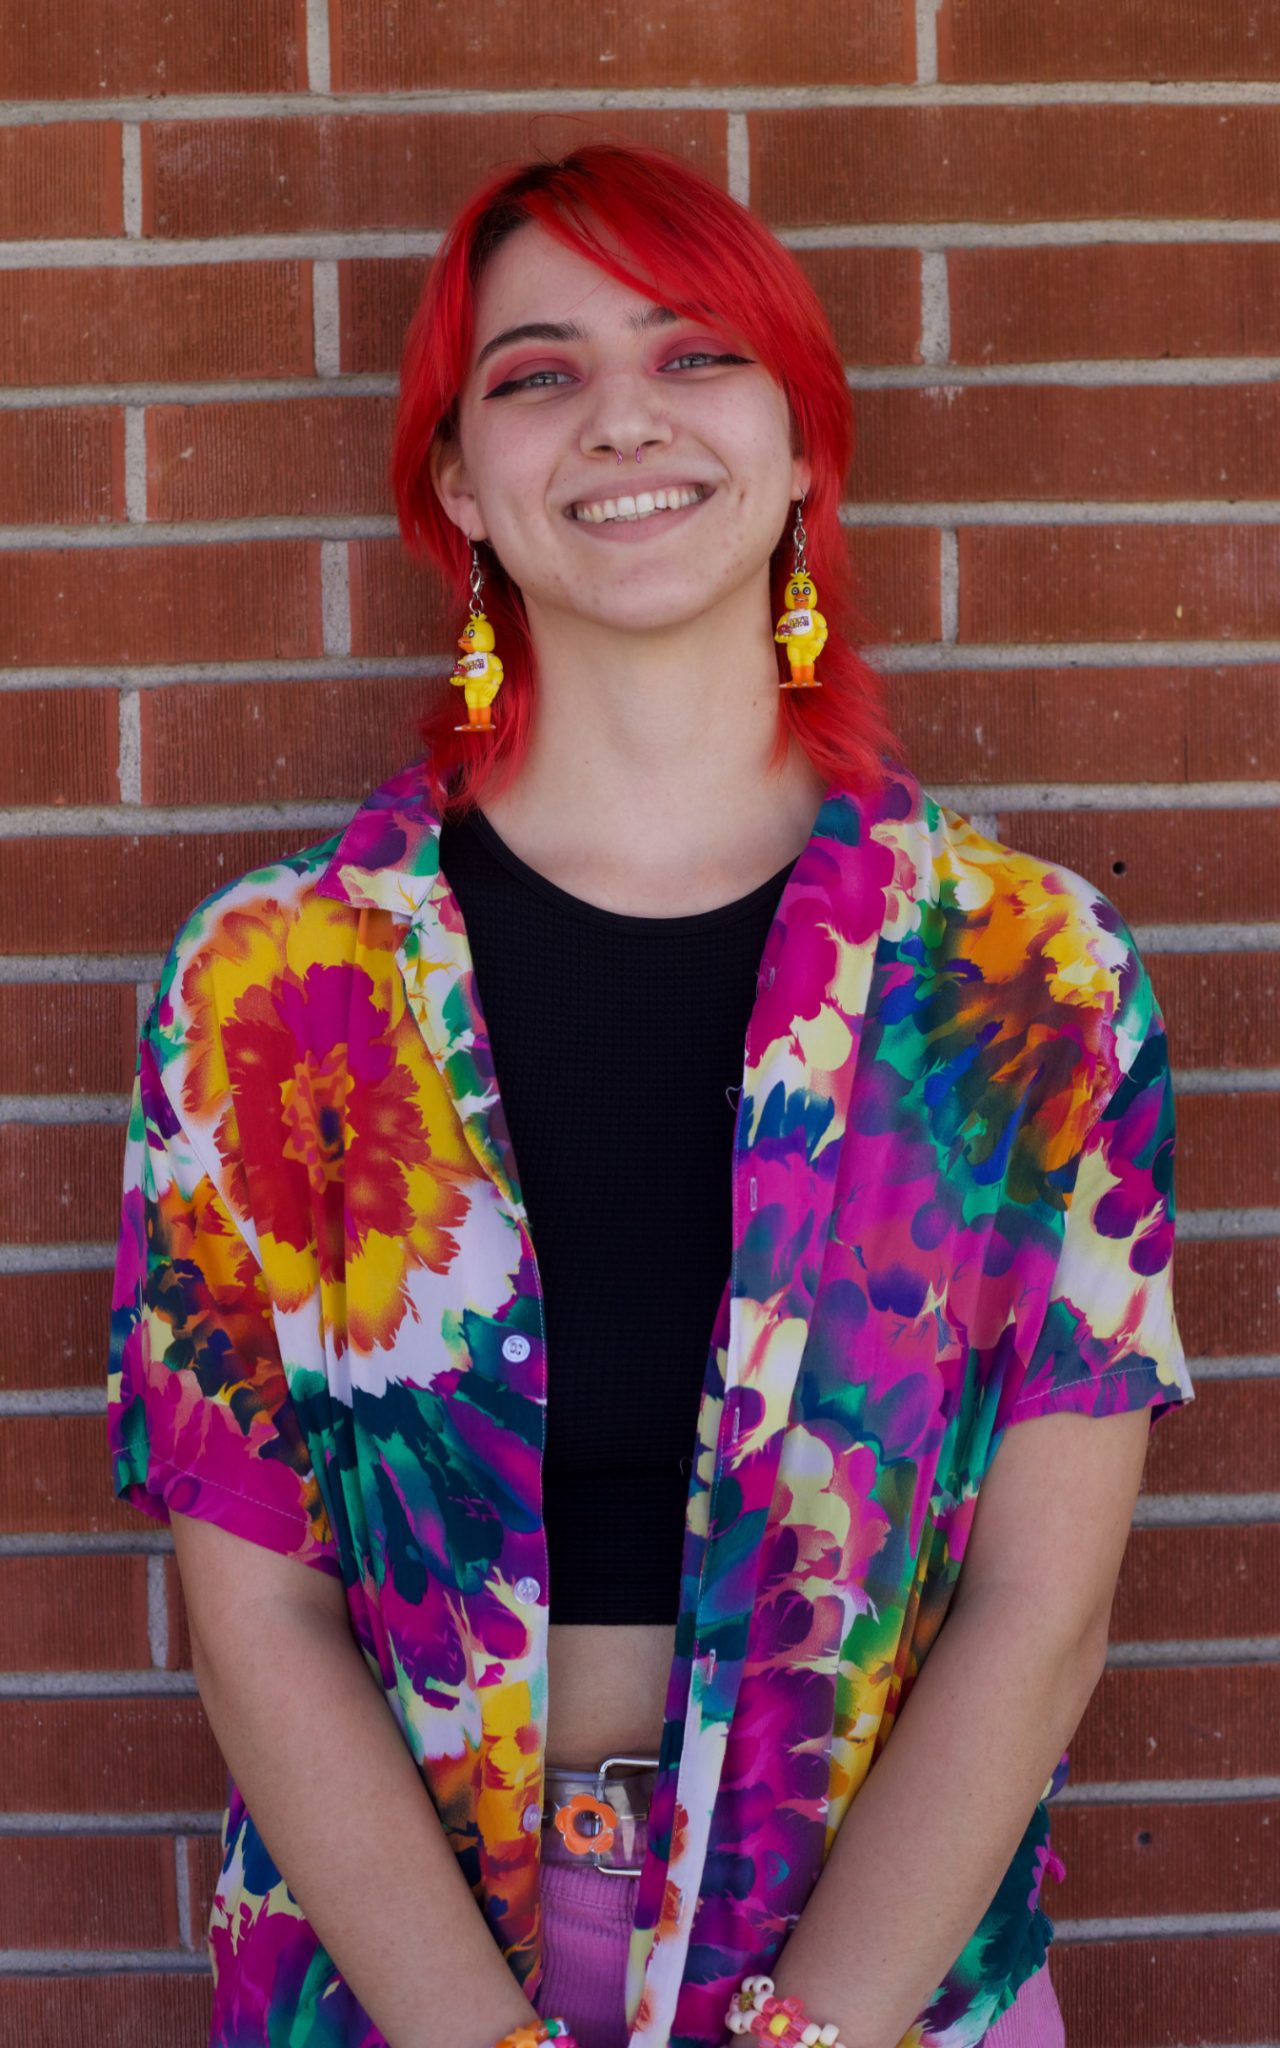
645 788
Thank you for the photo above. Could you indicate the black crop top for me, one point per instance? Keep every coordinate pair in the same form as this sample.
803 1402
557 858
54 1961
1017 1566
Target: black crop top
618 1047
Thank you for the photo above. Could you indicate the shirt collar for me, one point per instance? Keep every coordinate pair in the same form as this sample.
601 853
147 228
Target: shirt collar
388 857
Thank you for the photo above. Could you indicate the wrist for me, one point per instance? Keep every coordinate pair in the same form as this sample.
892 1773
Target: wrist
759 2010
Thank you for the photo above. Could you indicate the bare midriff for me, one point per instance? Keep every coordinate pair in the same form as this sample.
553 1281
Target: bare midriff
606 1691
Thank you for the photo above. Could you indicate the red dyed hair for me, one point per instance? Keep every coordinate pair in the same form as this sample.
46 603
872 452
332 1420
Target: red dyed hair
732 269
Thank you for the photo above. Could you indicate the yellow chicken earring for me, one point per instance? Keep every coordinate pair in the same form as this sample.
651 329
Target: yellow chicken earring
477 669
802 628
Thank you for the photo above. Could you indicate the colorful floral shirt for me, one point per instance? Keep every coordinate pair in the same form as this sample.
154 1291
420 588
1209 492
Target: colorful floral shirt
952 1209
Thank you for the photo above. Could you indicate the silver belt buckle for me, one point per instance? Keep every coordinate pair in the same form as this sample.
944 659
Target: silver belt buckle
620 1763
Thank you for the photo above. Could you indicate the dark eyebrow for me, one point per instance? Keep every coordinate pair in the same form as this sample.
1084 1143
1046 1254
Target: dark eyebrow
570 330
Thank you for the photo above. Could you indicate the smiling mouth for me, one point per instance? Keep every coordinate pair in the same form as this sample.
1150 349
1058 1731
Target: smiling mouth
581 517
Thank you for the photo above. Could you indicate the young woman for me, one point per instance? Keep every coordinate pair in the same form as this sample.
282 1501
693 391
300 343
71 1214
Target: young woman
844 1137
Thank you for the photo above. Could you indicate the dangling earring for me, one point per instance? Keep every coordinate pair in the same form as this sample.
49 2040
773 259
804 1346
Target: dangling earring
801 628
477 669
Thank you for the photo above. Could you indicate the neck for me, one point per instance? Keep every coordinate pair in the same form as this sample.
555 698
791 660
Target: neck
649 754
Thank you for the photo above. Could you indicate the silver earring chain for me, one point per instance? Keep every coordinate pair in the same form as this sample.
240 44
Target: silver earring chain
801 538
477 579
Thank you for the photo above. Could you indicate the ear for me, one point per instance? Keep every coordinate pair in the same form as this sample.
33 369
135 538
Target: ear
452 485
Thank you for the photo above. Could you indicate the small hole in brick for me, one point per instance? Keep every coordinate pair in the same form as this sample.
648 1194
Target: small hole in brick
1117 867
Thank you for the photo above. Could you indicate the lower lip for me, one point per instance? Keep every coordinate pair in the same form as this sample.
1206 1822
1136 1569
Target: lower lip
637 529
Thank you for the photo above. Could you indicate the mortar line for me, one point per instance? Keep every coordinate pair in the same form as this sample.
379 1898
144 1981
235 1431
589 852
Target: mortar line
1198 372
1201 93
121 252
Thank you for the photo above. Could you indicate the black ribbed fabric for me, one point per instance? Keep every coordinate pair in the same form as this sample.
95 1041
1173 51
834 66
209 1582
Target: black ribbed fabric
614 1041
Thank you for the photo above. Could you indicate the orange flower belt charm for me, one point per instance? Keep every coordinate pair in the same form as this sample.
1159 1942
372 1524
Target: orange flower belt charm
573 1820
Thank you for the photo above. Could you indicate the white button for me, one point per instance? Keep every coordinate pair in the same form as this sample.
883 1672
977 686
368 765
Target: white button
515 1347
531 1819
527 1590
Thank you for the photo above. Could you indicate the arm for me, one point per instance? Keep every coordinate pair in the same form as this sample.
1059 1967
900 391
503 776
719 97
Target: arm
293 1706
921 1851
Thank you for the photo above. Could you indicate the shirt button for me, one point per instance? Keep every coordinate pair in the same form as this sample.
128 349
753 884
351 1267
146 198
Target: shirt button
531 1819
515 1347
527 1590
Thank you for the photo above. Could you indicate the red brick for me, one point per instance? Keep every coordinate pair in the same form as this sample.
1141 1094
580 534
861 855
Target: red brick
945 442
333 171
397 604
1159 867
1114 301
85 1613
524 45
1224 1442
88 1891
113 1755
55 1181
183 320
220 601
296 456
55 1327
1210 1856
989 42
1037 583
127 895
1198 1584
59 178
814 165
57 1471
59 747
898 573
1220 1009
1079 724
123 47
377 298
67 1037
109 2011
1153 1992
1228 1294
178 1621
1229 1151
62 466
1163 1723
872 298
271 742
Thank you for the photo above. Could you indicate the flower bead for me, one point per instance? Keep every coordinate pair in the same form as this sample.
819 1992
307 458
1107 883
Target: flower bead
582 1842
779 2019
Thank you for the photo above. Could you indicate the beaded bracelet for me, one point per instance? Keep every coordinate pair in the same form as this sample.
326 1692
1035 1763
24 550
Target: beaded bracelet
534 2032
783 2022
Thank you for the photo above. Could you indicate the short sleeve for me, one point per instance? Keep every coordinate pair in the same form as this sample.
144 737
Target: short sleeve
199 1415
1109 1337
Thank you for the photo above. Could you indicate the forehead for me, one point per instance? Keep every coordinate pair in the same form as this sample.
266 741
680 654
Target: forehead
531 275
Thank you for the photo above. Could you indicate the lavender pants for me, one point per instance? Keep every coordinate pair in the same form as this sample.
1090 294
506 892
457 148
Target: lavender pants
586 1926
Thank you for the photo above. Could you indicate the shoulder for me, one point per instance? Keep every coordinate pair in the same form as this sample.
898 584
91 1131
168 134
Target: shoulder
261 911
1023 915
1028 981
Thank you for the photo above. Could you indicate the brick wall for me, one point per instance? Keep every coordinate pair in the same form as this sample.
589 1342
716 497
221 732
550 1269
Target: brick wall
1049 237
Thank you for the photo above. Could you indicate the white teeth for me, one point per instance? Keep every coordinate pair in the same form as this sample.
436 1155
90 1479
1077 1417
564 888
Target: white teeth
640 507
